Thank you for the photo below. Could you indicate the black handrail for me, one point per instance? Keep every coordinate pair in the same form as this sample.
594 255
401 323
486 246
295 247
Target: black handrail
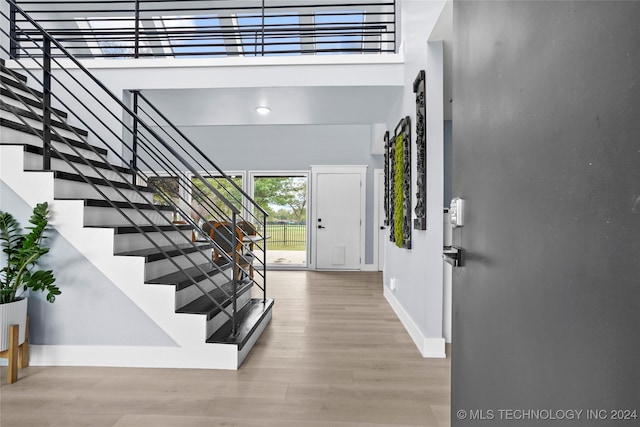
147 140
257 30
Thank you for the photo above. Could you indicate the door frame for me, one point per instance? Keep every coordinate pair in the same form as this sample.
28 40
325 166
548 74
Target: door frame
377 174
337 169
286 173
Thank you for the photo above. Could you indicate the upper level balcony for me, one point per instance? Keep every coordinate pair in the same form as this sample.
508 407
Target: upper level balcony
124 29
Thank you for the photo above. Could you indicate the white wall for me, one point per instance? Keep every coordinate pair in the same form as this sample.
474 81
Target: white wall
418 272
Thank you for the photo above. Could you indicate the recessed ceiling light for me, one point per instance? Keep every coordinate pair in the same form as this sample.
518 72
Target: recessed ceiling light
263 110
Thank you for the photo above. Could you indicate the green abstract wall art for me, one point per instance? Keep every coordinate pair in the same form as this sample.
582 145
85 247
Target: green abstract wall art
398 171
397 188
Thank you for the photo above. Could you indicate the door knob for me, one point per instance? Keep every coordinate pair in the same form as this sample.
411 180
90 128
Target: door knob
321 226
382 227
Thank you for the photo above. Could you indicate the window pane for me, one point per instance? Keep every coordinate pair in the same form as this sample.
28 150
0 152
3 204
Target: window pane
281 34
166 187
191 35
285 200
115 36
339 32
208 205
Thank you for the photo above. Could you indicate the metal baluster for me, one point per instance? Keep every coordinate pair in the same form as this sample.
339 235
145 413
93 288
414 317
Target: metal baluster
234 243
262 48
14 48
46 105
134 145
136 35
264 259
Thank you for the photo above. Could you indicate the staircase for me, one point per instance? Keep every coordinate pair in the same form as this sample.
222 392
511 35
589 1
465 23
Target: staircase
105 183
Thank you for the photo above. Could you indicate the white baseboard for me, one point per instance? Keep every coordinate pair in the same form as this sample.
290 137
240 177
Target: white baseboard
368 267
429 347
209 356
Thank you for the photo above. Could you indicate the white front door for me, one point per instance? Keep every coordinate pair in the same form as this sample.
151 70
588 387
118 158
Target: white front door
338 220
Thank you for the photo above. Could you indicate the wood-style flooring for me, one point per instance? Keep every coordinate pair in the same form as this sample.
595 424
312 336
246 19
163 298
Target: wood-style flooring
334 354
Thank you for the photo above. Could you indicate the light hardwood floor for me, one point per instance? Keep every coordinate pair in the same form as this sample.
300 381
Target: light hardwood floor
334 354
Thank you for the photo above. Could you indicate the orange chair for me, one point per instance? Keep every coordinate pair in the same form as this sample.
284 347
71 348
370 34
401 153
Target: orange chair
221 234
248 229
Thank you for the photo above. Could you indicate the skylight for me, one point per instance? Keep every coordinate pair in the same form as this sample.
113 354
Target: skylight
280 34
195 36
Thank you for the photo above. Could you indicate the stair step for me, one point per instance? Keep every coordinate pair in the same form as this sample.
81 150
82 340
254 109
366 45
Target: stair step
77 159
21 127
128 238
20 85
101 211
31 115
250 318
155 254
68 176
98 203
73 186
35 103
12 73
183 279
149 228
204 305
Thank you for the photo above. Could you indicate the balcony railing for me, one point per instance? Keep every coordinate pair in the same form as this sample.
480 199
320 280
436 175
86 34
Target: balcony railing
207 28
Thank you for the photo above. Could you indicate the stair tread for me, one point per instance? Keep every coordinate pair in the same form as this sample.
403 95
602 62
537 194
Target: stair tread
154 254
101 203
77 159
21 127
181 279
32 102
26 113
250 317
20 85
12 73
204 305
99 181
130 229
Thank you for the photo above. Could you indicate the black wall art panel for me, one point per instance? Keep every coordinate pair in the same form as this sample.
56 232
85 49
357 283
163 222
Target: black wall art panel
386 178
420 222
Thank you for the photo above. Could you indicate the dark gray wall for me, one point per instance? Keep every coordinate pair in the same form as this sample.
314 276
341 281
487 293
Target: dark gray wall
448 162
546 152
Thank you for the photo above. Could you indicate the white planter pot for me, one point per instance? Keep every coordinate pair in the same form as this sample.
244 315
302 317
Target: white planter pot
13 313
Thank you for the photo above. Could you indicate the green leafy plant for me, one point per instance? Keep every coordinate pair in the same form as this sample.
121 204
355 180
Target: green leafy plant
21 253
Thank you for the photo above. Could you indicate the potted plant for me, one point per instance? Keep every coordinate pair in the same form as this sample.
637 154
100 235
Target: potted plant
19 273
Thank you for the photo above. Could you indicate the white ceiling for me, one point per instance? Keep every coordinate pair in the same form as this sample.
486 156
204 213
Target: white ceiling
289 105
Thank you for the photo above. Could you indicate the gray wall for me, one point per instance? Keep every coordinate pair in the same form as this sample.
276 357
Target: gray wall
547 155
296 147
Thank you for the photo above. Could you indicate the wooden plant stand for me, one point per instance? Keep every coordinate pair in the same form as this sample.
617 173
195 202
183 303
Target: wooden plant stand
18 355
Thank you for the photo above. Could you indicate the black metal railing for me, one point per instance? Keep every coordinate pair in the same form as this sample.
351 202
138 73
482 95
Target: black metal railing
206 28
144 141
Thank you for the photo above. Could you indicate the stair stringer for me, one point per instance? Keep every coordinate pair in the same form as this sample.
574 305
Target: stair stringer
127 273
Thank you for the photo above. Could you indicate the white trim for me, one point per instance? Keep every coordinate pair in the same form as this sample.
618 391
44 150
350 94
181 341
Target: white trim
359 169
369 267
209 356
376 218
428 347
290 61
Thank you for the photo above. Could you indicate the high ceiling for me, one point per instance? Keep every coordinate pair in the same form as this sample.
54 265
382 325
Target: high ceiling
289 105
